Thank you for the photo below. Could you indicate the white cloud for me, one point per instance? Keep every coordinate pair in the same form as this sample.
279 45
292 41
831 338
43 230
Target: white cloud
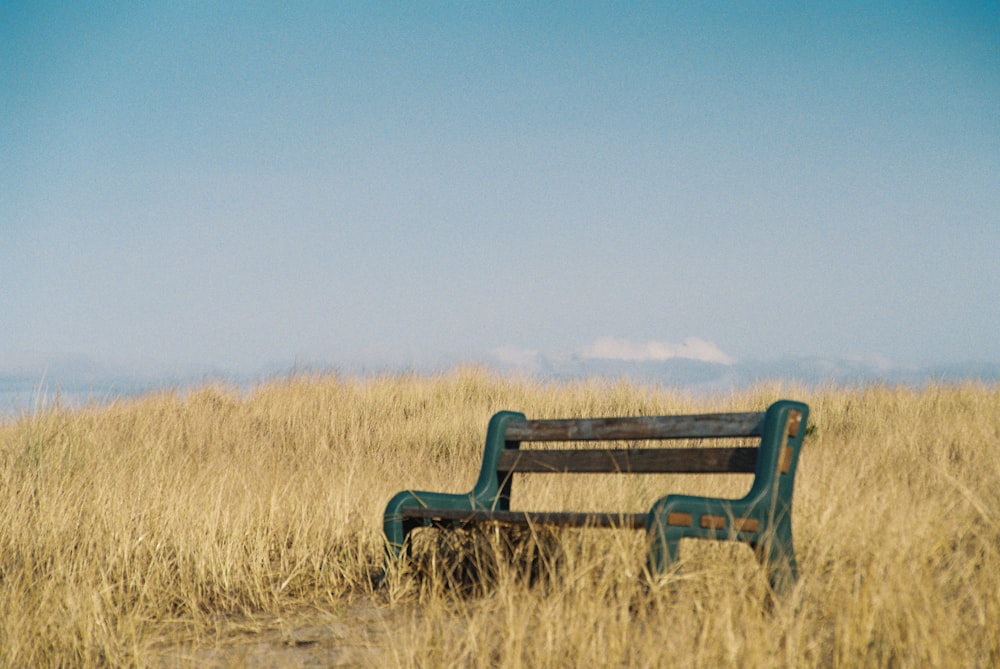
692 348
518 358
875 361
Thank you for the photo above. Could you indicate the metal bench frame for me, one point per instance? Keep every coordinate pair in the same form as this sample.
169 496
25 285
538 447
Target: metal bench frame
762 518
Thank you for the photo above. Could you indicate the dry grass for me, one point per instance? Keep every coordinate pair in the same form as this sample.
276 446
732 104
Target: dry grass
153 531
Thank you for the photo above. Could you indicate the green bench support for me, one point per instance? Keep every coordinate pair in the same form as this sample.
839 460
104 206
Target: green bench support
762 518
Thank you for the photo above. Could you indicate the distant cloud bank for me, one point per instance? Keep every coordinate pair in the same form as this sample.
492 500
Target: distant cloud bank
692 348
608 351
698 364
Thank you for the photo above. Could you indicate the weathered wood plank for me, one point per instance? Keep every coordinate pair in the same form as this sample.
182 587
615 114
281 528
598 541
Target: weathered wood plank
638 427
561 518
631 460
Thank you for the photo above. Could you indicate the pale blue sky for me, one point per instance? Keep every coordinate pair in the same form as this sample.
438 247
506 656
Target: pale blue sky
253 184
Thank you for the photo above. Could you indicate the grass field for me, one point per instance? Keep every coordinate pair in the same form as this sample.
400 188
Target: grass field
214 528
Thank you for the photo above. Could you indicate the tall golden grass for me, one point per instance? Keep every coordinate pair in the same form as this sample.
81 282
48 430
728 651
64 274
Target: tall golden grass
133 530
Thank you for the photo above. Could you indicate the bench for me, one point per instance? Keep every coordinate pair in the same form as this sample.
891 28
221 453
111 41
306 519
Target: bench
762 518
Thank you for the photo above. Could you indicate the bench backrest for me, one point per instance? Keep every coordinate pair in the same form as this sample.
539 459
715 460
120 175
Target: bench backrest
632 460
773 460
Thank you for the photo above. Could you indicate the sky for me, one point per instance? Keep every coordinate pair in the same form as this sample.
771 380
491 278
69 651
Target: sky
254 185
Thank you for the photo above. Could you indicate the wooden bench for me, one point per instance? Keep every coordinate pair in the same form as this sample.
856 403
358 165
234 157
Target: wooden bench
762 518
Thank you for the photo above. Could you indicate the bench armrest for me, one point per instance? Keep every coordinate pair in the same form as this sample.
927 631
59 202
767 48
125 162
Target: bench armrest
483 495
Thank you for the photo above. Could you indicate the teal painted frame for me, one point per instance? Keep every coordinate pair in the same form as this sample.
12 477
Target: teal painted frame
762 518
489 493
769 503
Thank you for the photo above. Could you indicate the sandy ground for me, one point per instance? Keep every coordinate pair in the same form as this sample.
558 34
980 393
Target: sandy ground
356 636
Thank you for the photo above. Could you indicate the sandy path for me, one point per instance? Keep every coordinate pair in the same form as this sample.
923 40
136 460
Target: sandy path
355 636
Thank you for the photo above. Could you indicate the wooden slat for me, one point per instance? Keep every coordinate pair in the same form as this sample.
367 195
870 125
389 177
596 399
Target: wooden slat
679 519
632 460
638 427
576 519
785 461
794 420
746 524
562 518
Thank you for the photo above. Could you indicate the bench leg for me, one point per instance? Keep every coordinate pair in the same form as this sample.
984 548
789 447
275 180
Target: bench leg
397 531
777 555
664 547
